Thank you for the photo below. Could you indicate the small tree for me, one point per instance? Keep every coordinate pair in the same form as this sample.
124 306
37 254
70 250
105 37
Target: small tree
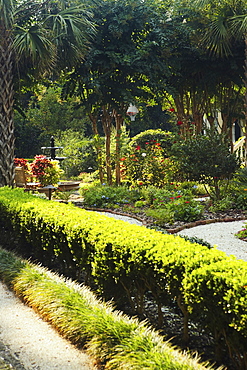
208 160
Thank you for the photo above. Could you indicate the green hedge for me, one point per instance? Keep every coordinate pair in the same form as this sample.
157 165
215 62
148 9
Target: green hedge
127 262
110 337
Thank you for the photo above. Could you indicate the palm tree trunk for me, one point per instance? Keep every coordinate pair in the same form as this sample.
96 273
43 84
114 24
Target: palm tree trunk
6 110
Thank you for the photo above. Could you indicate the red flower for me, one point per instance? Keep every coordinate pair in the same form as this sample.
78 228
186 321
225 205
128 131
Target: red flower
172 110
122 159
138 147
187 201
179 123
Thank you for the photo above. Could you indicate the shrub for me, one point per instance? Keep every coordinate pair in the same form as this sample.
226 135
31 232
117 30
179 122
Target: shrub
108 196
46 171
207 159
110 337
128 262
21 162
147 160
162 216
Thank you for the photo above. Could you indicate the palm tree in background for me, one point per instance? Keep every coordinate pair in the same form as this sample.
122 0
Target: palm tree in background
36 38
227 25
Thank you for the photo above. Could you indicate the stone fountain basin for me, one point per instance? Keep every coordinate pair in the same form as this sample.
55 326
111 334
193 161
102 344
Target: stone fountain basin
68 185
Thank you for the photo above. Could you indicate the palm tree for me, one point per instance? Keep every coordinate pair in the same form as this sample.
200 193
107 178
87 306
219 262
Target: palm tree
36 38
228 24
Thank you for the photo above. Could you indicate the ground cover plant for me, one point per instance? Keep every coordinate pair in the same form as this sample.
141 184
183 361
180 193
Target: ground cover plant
173 202
113 339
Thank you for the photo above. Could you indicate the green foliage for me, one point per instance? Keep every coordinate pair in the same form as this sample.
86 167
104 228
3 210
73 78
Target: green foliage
148 166
242 234
108 196
195 239
111 337
207 159
127 261
78 152
164 138
186 210
162 216
223 204
47 172
238 189
240 200
177 209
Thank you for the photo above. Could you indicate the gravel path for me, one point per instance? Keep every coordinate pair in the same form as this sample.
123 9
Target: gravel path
29 343
221 234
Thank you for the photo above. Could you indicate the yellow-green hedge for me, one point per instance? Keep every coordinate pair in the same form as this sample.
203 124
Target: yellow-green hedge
129 261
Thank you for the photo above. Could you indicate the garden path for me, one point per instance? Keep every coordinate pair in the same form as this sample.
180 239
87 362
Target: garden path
29 343
222 235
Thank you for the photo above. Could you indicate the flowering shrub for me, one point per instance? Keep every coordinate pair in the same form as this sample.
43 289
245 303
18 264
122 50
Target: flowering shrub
46 172
21 162
242 234
147 165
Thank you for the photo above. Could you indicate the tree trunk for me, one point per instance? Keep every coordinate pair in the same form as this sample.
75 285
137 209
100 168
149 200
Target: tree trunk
7 139
119 122
97 144
107 123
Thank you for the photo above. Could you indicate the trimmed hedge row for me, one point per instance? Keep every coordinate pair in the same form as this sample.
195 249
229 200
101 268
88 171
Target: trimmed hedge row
112 338
130 261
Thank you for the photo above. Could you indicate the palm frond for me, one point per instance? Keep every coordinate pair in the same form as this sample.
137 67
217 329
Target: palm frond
239 25
218 38
6 12
34 43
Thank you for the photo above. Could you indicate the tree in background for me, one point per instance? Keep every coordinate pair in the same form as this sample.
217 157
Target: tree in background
227 27
117 69
35 38
200 84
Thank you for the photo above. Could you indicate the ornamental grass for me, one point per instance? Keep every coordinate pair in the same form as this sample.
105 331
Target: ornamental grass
112 338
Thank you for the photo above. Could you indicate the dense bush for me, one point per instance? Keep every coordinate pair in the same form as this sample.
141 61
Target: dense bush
147 160
127 262
207 159
108 196
110 337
